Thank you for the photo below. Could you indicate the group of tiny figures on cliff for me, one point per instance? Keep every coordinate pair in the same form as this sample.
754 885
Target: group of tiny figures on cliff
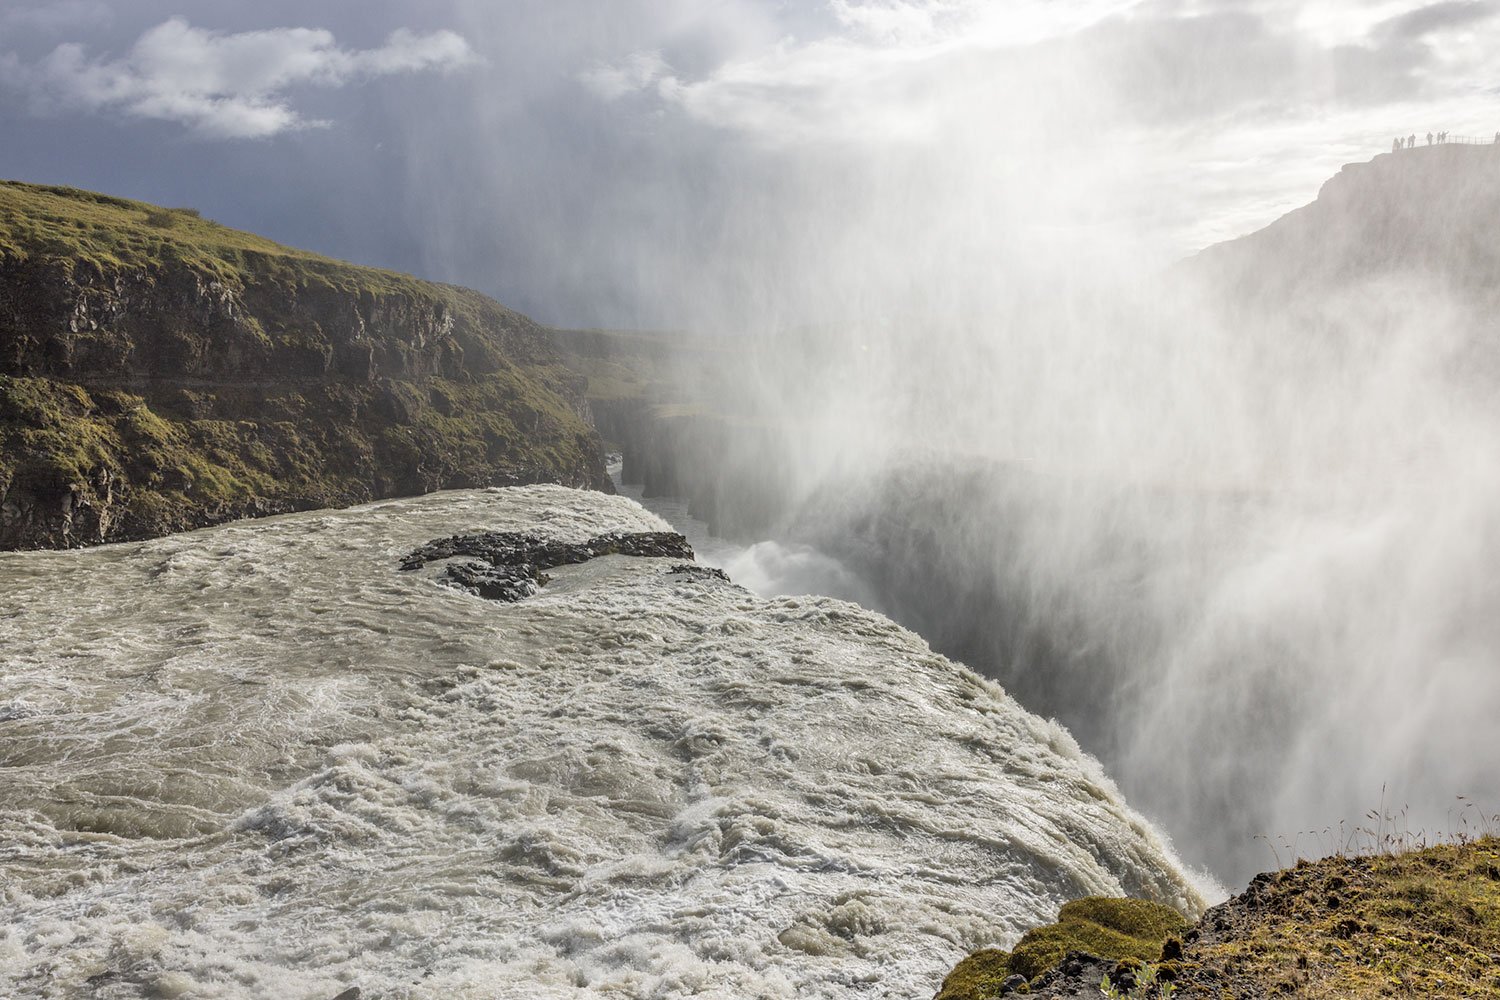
1410 142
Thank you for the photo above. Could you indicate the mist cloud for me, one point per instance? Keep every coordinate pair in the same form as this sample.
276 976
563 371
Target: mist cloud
222 86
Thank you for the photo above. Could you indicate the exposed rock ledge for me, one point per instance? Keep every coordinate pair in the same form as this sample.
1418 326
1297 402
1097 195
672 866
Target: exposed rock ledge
159 372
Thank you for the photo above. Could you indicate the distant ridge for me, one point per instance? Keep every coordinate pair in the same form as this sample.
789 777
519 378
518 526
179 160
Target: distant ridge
1433 209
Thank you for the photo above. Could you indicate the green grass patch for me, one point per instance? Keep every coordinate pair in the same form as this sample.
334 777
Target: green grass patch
82 229
1115 929
1409 923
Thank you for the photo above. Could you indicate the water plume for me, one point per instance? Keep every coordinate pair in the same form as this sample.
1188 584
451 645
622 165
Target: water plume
1237 546
1231 532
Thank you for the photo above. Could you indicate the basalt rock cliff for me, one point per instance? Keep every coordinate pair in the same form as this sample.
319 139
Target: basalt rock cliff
160 372
1420 213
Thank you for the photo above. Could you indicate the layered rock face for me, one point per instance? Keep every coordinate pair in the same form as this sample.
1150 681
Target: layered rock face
159 372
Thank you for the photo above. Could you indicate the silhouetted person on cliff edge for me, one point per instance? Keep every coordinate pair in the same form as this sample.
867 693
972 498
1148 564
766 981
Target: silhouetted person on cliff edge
1395 145
1411 142
1429 138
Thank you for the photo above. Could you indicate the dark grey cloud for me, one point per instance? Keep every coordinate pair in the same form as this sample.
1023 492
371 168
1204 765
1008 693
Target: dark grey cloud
1442 16
1396 59
53 17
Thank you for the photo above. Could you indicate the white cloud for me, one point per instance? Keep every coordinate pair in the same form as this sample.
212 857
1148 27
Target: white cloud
903 20
633 74
878 70
1231 111
228 86
896 68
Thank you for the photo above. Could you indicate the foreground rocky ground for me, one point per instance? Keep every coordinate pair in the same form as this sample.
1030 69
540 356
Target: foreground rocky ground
1421 923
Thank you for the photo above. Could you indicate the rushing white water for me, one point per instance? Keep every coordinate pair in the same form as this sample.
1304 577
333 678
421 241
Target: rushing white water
257 761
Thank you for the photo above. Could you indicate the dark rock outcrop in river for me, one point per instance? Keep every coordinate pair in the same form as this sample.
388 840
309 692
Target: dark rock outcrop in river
509 566
160 372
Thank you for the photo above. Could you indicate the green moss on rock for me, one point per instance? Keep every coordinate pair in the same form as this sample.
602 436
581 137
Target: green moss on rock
1108 928
1415 923
1131 930
1419 923
977 977
162 372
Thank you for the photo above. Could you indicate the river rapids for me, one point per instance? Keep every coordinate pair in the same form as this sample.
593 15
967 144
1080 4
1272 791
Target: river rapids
258 761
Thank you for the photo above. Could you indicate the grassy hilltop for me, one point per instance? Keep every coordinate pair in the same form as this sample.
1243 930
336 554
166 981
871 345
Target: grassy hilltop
1413 923
159 371
84 229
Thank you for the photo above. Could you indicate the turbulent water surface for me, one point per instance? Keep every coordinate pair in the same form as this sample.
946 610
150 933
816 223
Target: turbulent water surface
257 761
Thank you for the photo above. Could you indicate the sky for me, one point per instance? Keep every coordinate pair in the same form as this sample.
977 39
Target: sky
670 163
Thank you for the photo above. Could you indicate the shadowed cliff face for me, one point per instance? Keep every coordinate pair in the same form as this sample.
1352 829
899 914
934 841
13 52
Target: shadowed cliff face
158 373
84 322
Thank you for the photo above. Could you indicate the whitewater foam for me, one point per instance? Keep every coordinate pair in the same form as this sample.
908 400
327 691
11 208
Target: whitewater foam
257 761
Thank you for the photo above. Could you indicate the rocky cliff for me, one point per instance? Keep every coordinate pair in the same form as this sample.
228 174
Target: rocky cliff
161 372
1417 212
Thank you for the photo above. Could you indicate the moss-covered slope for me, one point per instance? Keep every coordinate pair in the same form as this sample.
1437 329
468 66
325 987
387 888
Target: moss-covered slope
159 372
1419 923
1113 929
